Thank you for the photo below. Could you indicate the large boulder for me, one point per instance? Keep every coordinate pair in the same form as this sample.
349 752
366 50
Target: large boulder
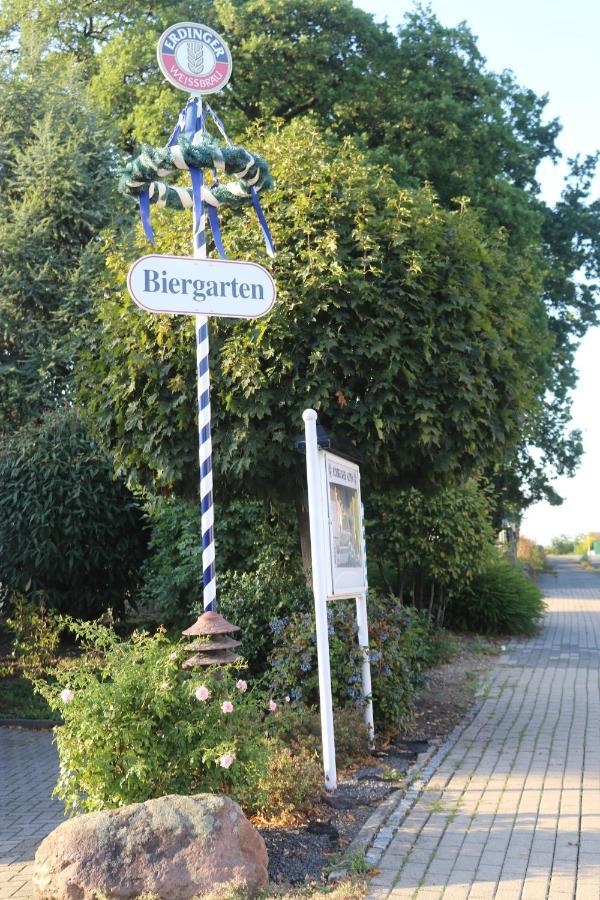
174 848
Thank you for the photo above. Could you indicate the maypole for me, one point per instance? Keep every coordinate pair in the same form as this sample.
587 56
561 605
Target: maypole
194 58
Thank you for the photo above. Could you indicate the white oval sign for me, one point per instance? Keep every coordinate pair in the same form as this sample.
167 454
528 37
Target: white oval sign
194 58
206 287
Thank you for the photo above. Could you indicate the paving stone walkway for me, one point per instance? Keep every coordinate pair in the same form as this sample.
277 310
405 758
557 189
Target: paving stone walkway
28 771
513 811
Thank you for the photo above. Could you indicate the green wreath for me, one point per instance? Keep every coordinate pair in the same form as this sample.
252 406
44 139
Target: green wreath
249 170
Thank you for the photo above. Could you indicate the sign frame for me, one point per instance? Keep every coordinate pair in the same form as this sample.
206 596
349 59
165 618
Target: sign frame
318 513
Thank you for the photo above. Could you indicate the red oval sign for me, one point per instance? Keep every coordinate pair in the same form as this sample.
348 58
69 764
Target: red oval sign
194 58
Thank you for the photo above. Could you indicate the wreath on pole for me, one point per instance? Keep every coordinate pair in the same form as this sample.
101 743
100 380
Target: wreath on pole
191 148
249 170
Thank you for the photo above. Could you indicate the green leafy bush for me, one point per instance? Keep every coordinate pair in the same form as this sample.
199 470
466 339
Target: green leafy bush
19 701
532 556
172 574
500 600
137 726
425 547
299 726
275 589
36 635
401 646
68 530
291 783
258 566
564 544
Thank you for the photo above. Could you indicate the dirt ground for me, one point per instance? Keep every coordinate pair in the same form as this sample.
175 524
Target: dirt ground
450 689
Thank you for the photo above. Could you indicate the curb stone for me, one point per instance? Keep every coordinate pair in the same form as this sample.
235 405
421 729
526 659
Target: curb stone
376 834
31 724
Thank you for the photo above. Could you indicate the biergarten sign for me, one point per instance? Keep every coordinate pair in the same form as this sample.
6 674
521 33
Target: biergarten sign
209 287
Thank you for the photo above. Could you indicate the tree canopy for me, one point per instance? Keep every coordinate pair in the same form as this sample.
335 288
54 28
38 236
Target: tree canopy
430 304
55 185
416 333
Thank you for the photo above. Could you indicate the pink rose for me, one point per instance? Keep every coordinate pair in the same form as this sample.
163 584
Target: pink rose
227 706
202 693
66 695
226 760
272 705
242 686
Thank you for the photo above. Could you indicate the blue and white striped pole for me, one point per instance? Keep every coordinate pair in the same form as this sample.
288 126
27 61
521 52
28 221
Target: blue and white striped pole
209 578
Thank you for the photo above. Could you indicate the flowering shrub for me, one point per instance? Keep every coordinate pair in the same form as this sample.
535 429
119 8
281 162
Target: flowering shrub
401 646
137 726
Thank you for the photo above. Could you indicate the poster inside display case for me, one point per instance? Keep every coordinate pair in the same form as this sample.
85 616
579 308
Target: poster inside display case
342 486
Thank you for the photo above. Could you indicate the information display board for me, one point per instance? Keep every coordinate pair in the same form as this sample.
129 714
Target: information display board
342 507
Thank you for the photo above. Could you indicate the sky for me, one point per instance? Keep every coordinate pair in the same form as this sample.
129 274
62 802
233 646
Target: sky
552 47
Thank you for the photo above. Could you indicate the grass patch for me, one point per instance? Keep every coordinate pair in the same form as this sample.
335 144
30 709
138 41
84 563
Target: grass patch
18 701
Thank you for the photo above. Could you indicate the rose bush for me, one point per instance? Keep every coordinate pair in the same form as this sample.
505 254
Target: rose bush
138 726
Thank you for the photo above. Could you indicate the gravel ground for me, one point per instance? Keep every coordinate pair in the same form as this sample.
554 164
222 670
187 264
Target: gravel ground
298 855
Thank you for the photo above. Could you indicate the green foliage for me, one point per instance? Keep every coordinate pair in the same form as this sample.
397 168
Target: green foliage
134 728
423 103
292 782
68 530
407 327
564 544
425 547
56 188
400 647
36 635
19 701
172 574
260 573
500 600
299 726
274 589
531 556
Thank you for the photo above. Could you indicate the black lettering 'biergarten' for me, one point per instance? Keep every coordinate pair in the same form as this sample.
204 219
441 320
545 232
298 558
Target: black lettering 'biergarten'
199 289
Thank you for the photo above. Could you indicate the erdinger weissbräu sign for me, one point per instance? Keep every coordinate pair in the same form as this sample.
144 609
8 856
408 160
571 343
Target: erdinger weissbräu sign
194 58
342 507
208 287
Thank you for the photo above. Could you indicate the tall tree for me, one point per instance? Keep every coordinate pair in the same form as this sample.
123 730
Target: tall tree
423 102
56 185
418 336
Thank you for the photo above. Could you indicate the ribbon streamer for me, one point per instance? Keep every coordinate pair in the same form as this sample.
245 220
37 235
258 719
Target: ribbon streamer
145 215
269 245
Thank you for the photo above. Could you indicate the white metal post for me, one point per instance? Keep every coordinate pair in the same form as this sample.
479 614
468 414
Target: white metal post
363 643
317 539
362 621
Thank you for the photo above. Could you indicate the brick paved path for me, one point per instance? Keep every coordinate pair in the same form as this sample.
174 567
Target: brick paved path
514 809
28 771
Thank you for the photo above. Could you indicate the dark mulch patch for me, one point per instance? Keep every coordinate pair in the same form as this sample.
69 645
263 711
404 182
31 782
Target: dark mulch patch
295 854
299 854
